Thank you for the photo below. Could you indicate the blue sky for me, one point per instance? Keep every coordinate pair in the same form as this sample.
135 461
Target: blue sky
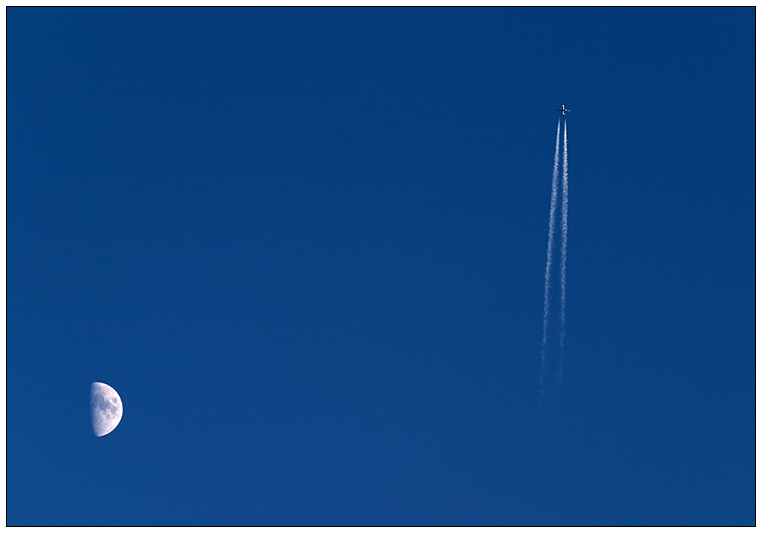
307 248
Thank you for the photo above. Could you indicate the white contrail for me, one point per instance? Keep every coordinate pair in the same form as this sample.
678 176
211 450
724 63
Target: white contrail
549 262
564 232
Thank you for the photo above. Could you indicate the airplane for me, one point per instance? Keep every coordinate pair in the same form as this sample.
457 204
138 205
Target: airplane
563 110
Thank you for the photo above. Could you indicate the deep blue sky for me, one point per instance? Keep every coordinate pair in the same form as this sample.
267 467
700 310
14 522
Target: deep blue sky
307 248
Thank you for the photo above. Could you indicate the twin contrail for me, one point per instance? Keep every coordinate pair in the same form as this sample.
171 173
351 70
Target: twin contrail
561 157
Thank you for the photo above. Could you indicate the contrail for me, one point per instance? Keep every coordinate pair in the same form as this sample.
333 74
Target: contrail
549 262
564 232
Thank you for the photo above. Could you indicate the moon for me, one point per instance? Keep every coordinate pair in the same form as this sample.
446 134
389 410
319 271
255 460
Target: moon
105 408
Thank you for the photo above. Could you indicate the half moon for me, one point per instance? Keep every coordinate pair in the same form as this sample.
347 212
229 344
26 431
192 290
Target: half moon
105 408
